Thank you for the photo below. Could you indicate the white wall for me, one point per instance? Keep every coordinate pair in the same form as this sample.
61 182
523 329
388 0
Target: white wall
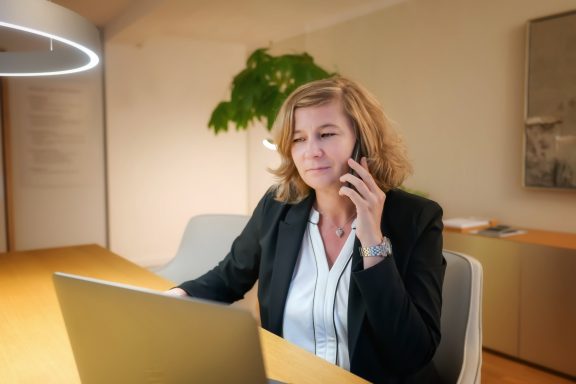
451 74
164 164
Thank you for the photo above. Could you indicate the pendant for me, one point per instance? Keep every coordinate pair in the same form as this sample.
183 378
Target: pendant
339 232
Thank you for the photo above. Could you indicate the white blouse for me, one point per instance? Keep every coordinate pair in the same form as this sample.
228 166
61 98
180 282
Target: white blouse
316 312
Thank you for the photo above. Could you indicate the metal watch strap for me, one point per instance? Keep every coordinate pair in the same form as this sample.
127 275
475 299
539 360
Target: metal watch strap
382 250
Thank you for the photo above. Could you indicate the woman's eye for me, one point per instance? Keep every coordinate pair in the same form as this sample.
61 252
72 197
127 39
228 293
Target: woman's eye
327 134
297 139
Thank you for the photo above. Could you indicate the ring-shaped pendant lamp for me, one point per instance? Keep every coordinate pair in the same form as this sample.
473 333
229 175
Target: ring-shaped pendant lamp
71 41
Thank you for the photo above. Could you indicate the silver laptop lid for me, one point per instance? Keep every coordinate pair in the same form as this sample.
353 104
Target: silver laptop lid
125 334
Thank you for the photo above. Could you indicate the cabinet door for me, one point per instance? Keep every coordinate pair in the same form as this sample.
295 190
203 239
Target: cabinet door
3 195
57 164
501 297
548 308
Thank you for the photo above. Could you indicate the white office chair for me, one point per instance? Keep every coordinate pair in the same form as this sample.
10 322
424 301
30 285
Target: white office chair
458 358
206 240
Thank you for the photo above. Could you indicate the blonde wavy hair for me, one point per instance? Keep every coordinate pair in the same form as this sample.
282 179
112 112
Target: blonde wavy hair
381 144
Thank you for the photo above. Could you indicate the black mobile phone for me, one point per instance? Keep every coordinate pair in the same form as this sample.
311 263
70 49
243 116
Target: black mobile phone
356 156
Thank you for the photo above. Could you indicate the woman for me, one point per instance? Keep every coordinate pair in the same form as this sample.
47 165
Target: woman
349 267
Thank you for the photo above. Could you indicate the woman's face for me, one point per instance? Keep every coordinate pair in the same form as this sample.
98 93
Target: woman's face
322 143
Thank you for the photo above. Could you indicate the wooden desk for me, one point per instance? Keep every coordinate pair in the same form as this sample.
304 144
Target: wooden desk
34 345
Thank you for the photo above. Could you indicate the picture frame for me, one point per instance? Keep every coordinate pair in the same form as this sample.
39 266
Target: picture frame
549 137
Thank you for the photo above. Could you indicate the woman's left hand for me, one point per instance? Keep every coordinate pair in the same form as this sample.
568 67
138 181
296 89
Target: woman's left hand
369 201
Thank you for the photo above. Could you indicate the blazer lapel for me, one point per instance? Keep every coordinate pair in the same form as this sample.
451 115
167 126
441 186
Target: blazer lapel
290 234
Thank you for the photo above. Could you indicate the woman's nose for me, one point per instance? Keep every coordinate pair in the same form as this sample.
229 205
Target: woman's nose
313 148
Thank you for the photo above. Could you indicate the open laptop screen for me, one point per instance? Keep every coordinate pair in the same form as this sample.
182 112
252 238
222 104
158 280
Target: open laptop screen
125 334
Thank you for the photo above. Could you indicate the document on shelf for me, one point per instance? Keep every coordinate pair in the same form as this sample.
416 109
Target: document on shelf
466 222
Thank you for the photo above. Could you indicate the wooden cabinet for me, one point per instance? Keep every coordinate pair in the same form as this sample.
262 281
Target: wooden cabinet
529 301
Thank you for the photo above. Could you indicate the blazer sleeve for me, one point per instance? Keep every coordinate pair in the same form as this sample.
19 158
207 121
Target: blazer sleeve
238 271
402 295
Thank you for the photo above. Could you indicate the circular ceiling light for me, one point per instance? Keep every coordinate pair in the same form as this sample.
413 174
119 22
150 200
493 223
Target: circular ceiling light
70 41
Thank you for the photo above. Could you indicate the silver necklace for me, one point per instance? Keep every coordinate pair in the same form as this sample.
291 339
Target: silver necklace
340 229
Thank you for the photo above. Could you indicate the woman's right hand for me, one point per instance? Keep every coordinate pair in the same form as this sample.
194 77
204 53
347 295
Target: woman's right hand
176 292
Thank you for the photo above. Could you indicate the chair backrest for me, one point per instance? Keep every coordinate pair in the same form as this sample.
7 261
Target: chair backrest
458 358
206 240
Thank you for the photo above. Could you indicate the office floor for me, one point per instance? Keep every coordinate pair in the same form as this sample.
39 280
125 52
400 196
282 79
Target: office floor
499 370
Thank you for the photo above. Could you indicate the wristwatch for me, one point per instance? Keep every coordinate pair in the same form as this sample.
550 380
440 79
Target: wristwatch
383 249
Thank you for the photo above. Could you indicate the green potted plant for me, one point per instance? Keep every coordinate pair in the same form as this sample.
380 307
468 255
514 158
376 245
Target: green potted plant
259 90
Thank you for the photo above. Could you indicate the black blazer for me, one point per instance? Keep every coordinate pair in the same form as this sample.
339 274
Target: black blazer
393 307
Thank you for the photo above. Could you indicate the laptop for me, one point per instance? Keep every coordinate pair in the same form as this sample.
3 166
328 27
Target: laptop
125 334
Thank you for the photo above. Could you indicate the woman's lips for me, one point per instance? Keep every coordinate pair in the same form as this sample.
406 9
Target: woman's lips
317 169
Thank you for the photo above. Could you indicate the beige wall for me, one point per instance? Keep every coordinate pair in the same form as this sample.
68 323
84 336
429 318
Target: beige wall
259 160
451 74
164 165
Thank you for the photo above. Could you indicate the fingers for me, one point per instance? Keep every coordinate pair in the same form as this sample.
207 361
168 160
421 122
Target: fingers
369 201
176 292
367 191
359 186
363 181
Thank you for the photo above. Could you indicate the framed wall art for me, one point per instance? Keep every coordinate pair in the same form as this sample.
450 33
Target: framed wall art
550 120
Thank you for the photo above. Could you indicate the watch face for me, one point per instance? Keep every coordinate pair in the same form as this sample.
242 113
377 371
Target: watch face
387 246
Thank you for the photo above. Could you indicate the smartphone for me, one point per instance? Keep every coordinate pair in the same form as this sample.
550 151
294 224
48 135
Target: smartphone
356 156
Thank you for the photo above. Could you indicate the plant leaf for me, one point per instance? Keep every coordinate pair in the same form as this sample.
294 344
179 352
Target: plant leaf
258 91
220 117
